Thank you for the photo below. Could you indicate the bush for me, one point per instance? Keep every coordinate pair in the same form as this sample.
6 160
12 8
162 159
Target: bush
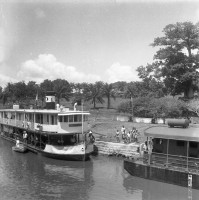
155 108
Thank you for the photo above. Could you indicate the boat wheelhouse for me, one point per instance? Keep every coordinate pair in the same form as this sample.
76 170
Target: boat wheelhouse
171 156
58 133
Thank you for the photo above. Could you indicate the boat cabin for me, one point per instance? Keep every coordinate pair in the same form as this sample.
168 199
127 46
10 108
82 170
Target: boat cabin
45 120
173 147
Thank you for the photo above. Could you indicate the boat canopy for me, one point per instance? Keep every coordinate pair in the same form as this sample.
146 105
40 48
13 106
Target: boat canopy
73 113
164 132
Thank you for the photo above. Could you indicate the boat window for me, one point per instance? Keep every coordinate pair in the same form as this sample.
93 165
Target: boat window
65 118
47 119
13 116
75 118
70 118
55 119
180 143
62 140
79 118
52 120
60 118
85 118
19 116
193 145
5 115
30 117
39 118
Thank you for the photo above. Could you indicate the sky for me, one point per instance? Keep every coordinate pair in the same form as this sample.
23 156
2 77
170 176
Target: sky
82 40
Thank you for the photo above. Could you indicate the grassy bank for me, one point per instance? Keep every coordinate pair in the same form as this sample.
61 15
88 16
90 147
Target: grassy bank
103 123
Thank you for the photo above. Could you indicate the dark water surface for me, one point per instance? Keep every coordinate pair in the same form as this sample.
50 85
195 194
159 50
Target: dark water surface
31 176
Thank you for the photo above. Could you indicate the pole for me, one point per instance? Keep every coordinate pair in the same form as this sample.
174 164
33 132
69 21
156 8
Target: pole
167 153
82 119
187 155
84 136
132 106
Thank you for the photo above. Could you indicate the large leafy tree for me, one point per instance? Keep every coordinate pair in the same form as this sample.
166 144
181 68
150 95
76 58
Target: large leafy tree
45 86
31 88
176 62
62 89
20 91
7 93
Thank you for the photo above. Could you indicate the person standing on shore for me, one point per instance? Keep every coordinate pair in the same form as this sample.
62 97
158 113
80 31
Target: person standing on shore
123 132
117 135
129 137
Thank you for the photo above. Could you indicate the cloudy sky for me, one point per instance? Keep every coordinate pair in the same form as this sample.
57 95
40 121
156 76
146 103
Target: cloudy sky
83 41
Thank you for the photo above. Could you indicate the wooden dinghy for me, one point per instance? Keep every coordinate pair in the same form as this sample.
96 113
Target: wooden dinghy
20 148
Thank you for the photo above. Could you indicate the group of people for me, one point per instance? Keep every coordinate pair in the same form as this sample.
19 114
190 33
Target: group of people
127 137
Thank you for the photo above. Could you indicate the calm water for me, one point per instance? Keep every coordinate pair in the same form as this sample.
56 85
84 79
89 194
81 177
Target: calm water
30 176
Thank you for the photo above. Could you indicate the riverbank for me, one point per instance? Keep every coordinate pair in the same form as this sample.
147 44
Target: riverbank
104 126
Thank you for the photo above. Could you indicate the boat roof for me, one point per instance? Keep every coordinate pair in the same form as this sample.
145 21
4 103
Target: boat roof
46 111
164 132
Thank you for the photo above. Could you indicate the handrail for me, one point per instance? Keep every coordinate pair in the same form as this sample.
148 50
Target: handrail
172 160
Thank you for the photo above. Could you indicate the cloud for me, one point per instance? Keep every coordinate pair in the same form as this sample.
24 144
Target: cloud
118 72
197 15
46 66
4 79
40 14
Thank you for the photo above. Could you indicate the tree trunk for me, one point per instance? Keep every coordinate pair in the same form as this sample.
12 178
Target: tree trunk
108 103
94 103
189 93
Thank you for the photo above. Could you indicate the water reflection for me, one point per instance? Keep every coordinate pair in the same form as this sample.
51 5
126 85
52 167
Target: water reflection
30 176
153 190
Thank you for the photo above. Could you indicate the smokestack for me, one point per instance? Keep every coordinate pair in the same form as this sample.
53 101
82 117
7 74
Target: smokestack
50 100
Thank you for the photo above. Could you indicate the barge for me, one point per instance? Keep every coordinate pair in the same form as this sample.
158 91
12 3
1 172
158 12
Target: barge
171 155
54 132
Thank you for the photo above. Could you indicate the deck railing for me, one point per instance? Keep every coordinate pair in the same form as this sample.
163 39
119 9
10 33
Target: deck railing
29 125
176 161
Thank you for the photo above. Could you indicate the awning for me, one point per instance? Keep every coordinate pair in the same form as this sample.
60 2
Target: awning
165 132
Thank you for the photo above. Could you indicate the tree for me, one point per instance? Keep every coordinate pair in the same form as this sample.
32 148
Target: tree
193 105
119 88
108 91
6 93
93 93
78 92
62 89
31 88
131 90
45 86
158 107
175 62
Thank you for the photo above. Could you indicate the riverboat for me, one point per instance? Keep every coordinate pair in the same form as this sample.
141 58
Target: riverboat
171 155
55 131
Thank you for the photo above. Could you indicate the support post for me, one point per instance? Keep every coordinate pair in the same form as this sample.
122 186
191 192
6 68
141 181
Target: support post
149 153
187 155
167 153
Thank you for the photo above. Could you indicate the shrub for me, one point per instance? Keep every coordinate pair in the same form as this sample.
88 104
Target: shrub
152 107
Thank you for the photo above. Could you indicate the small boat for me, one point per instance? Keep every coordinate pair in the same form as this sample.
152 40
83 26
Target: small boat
20 148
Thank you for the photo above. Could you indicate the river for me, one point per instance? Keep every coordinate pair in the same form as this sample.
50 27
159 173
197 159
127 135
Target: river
33 177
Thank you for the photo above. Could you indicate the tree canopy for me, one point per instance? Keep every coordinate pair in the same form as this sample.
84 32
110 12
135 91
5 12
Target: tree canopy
177 60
